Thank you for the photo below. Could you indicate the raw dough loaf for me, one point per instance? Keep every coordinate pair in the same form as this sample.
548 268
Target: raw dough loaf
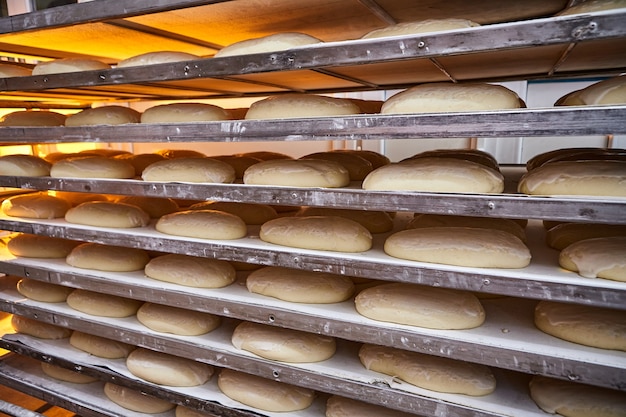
63 65
155 207
158 57
337 406
107 258
180 153
265 155
586 325
591 178
39 246
66 375
239 163
100 346
10 70
106 115
601 257
562 235
490 223
331 233
191 271
376 159
572 154
422 26
189 169
429 372
43 291
609 91
107 214
450 97
284 345
24 166
103 305
357 167
165 369
300 286
35 206
474 155
435 174
270 43
461 246
301 105
38 329
33 118
174 320
250 213
136 400
263 393
416 305
140 161
573 399
374 221
184 112
588 6
92 167
298 173
203 224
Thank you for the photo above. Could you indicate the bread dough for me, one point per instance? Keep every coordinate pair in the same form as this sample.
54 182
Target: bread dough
330 233
473 155
180 153
24 166
301 105
606 92
239 163
63 65
106 115
107 258
489 223
435 174
35 206
250 213
271 43
429 372
39 329
562 235
337 406
43 291
66 375
189 169
462 246
374 221
100 346
155 207
104 305
571 154
140 161
203 224
76 198
165 369
158 57
33 118
92 167
601 257
298 173
38 246
108 214
417 305
10 70
174 320
136 400
357 167
184 112
281 344
191 271
422 26
300 286
376 159
262 393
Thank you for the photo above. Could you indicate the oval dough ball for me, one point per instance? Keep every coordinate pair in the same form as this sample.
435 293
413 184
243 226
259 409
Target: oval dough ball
39 246
450 97
337 406
562 235
329 233
10 70
165 369
574 399
103 305
136 400
35 206
422 26
473 155
489 223
66 375
203 224
374 221
284 345
100 346
107 214
263 393
155 207
435 175
189 169
271 43
140 161
586 325
300 286
416 305
43 291
107 258
601 257
239 163
462 246
357 167
63 65
429 372
250 213
180 153
174 320
33 118
92 167
157 57
301 105
106 115
184 112
298 173
191 271
376 159
38 329
606 92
